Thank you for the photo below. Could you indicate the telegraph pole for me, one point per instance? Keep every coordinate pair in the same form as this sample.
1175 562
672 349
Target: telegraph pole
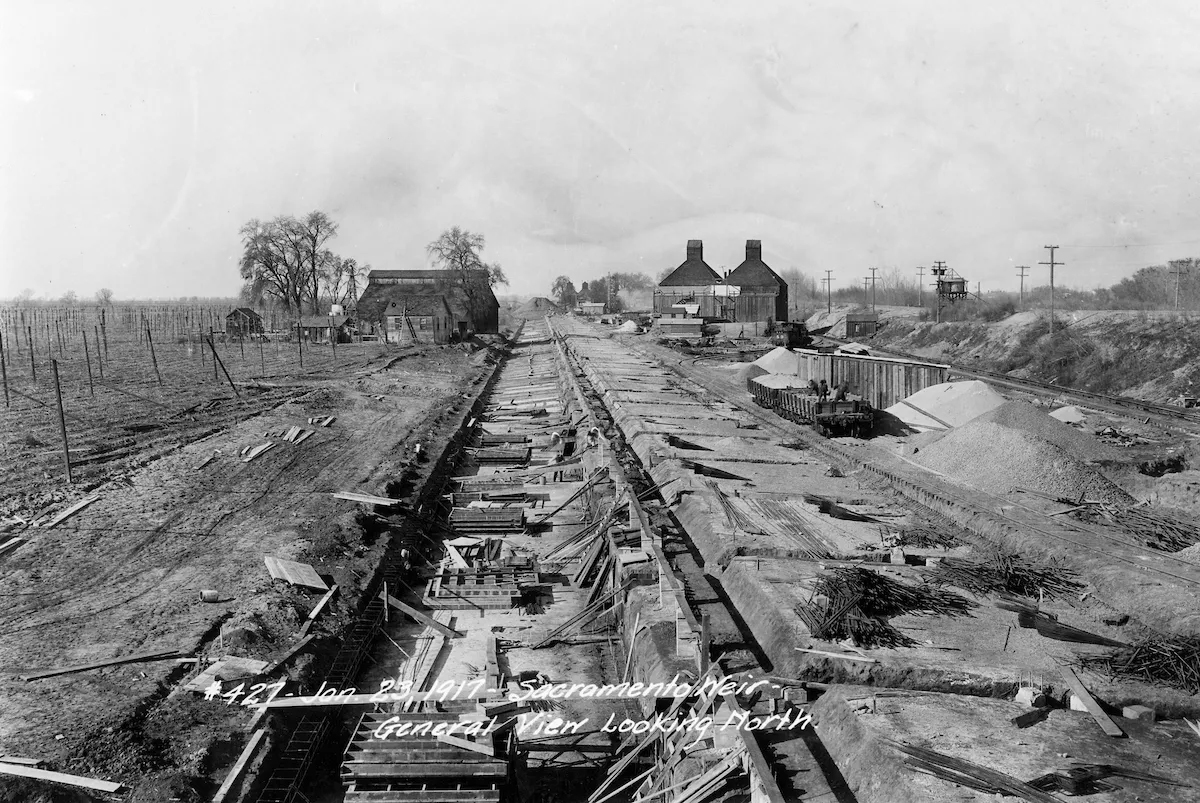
828 280
866 286
1178 269
1021 272
921 286
1052 263
873 288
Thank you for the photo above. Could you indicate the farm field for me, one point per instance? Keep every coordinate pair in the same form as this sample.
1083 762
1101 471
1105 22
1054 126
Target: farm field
179 510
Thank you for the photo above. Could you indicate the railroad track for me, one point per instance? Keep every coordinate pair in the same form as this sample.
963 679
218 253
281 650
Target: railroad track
1118 404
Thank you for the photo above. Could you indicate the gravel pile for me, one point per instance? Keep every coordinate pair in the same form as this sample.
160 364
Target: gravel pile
778 361
1034 421
953 402
997 458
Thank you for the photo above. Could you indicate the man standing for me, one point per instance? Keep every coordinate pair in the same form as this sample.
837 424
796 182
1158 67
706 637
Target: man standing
823 391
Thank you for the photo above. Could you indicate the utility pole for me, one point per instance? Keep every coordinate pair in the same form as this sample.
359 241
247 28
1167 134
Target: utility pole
866 286
828 280
873 288
921 286
1052 263
1178 269
1021 272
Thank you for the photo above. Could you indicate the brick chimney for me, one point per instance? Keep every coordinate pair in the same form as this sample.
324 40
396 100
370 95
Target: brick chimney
695 250
754 250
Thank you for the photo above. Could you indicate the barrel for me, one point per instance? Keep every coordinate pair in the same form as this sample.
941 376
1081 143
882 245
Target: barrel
208 595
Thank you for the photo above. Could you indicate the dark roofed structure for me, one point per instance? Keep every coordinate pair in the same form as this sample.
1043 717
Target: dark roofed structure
243 321
763 294
694 271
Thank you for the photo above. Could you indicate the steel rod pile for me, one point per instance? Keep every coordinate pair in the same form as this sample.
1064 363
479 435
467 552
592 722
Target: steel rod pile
857 603
1171 662
969 774
1002 572
1158 529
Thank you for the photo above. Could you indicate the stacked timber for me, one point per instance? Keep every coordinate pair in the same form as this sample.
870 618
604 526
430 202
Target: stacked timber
488 520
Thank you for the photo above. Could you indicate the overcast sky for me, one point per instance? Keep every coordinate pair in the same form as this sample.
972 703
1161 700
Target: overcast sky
581 138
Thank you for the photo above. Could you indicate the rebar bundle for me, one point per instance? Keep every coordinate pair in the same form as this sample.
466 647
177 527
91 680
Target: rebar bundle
857 603
1003 572
1169 661
1158 529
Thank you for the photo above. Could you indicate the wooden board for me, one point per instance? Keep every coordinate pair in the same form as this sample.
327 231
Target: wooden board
298 574
1089 702
227 668
158 655
71 511
383 501
239 767
59 777
423 618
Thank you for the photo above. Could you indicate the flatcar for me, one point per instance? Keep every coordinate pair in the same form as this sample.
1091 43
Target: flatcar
789 399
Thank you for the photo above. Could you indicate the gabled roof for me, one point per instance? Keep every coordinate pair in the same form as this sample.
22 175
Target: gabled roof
424 274
753 272
694 271
249 313
381 300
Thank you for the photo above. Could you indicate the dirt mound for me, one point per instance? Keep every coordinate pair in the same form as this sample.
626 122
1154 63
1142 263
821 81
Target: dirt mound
1032 420
996 458
537 307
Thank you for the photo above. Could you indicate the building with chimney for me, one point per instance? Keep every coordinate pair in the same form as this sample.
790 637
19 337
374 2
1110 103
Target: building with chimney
762 294
688 291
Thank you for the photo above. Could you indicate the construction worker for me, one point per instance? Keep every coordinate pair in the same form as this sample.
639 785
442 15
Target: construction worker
823 390
812 387
842 389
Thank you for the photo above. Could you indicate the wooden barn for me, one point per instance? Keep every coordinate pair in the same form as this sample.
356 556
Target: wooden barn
689 284
861 324
243 322
409 313
762 295
475 311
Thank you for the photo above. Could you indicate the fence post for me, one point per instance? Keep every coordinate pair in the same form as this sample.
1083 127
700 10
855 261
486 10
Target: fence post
3 370
62 418
217 359
88 357
32 364
261 358
153 358
299 344
99 362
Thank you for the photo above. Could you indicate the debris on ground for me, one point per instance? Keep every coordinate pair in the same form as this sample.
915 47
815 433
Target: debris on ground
999 572
1168 661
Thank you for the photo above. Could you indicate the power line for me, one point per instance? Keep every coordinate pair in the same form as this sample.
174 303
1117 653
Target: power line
828 281
920 285
873 288
1022 269
1051 263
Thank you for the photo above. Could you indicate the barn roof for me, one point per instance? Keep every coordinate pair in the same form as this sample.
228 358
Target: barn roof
753 272
693 271
378 301
249 313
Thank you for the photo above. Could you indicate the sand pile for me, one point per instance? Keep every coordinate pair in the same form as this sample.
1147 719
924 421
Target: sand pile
1069 415
954 403
996 458
778 361
1191 554
629 327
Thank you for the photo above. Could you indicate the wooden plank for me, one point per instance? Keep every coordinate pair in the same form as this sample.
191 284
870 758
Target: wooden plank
467 744
239 766
1089 702
71 511
256 451
297 574
287 656
321 603
766 775
838 655
59 777
423 617
369 499
158 655
456 557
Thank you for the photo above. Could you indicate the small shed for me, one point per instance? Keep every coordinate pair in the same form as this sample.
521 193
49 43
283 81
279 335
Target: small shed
243 322
321 328
592 308
861 324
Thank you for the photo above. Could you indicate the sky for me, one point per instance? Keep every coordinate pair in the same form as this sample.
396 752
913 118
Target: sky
136 138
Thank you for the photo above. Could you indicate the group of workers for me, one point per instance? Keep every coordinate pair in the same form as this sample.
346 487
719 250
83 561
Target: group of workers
821 390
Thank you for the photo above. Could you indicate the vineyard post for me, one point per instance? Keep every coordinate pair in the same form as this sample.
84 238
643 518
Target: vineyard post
58 335
3 370
200 346
49 342
32 364
99 362
153 358
210 344
87 355
261 358
242 344
104 333
299 344
62 418
217 359
332 338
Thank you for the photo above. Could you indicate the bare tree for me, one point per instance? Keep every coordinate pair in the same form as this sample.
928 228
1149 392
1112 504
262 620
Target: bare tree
312 232
456 251
271 264
104 296
69 298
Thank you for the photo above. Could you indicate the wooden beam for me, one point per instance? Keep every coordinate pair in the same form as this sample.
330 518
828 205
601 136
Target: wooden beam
367 499
71 511
322 602
239 766
467 744
1089 702
838 655
158 655
287 656
765 773
58 777
456 557
421 617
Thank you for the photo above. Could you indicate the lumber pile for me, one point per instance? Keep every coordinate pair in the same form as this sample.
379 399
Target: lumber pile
488 520
1157 529
1001 572
251 452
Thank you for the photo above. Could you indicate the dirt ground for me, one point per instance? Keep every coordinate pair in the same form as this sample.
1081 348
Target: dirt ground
123 576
